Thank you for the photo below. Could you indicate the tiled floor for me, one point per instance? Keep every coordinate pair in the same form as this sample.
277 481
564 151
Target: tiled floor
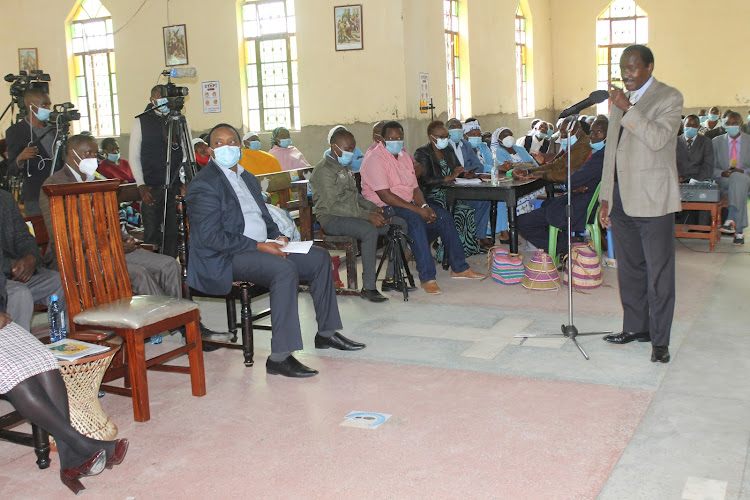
475 412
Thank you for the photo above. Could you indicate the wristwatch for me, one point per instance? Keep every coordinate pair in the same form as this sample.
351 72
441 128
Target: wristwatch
424 206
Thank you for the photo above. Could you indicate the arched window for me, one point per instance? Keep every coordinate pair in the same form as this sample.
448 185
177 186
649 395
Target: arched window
522 69
94 69
269 29
621 24
452 62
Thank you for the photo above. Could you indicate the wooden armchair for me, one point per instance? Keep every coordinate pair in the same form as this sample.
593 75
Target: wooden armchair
97 287
241 290
281 183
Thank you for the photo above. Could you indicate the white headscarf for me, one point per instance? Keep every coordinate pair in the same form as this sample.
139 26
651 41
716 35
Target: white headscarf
334 129
469 126
248 136
495 142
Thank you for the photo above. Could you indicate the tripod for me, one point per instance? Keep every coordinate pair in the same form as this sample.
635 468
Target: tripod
394 251
569 330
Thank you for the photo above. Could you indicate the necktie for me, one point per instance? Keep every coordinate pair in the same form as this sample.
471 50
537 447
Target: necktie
733 154
690 144
633 97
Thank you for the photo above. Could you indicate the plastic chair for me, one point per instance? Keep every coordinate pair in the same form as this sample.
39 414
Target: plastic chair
593 227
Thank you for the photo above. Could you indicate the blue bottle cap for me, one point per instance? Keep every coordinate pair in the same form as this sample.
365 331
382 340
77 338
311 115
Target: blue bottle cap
53 297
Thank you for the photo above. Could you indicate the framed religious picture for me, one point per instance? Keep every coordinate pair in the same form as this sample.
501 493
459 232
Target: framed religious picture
348 27
175 45
27 60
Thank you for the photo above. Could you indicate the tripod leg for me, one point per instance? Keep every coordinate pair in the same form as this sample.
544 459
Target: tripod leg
167 183
580 348
386 252
404 262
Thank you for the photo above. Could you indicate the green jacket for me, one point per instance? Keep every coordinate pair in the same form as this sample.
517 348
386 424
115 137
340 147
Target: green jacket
335 193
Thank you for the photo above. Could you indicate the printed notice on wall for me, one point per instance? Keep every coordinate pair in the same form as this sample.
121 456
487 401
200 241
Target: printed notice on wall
211 97
424 91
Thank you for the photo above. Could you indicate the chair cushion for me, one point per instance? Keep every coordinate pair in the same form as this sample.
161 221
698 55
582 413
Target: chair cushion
134 312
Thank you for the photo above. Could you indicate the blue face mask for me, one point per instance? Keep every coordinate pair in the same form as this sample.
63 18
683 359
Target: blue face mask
475 141
723 122
748 118
691 132
113 157
702 119
564 142
597 146
227 156
285 143
346 158
549 133
255 145
732 130
394 147
456 134
713 118
42 114
441 143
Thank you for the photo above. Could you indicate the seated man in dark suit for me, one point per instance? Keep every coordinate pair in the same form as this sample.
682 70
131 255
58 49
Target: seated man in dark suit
534 226
232 239
695 154
732 173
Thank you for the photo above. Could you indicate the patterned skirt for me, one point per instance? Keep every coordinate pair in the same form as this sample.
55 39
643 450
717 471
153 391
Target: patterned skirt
466 226
22 356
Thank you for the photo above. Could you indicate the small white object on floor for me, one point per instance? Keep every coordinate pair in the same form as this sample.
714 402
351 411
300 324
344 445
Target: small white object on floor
530 247
699 488
365 419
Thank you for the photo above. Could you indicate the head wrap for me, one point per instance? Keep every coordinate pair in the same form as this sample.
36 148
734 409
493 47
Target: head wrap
330 133
469 126
198 140
248 136
495 135
276 133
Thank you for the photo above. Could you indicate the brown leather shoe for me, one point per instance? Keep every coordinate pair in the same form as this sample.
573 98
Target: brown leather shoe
431 287
468 275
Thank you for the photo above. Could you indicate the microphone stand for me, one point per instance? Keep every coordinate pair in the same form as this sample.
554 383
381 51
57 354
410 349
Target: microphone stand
569 331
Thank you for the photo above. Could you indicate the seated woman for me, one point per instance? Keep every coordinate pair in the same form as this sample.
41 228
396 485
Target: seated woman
289 157
510 155
254 160
31 380
202 152
441 166
114 167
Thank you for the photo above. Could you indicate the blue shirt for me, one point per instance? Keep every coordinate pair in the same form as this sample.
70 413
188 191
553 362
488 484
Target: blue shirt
485 156
255 226
639 93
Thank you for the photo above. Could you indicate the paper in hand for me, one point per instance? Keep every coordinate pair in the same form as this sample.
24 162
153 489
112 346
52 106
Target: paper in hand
294 246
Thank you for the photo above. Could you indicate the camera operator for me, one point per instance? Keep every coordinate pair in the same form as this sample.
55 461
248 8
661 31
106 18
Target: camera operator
34 162
148 156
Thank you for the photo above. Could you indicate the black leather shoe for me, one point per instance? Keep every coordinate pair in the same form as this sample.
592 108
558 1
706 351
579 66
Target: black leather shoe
337 341
290 367
372 295
625 337
206 334
390 286
660 354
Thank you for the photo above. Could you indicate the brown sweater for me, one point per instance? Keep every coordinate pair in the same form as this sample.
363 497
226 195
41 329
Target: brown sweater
557 170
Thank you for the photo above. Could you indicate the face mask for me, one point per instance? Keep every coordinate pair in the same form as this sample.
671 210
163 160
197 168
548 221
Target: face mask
346 158
748 118
255 145
113 157
564 142
441 143
456 134
42 113
732 130
161 105
285 143
394 147
475 141
723 122
509 141
691 132
702 119
713 118
597 146
227 156
540 135
87 166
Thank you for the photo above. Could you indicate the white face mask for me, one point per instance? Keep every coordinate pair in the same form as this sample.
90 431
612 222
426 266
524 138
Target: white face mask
509 141
87 166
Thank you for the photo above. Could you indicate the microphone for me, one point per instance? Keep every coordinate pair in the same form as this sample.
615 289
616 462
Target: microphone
187 72
594 98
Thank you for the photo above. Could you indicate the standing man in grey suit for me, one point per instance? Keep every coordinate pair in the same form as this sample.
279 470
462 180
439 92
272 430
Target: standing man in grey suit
732 172
639 196
234 238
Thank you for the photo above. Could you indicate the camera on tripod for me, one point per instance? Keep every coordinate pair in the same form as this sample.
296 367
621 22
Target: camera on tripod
23 81
64 113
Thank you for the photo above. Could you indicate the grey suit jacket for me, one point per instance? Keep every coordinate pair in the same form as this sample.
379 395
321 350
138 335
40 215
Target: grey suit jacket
721 153
645 154
698 162
216 227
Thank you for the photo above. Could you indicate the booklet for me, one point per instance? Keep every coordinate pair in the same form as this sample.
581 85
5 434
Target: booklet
70 350
295 246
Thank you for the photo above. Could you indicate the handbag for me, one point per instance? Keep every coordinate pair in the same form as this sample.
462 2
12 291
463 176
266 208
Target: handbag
504 267
587 269
541 273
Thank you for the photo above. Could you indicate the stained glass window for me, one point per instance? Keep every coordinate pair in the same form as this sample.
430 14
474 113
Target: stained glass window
452 62
269 29
621 24
522 69
94 69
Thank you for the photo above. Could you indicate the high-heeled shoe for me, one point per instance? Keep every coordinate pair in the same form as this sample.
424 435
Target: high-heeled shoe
91 467
121 448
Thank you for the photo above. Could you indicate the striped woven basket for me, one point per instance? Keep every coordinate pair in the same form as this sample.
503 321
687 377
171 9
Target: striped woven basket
587 269
541 273
505 268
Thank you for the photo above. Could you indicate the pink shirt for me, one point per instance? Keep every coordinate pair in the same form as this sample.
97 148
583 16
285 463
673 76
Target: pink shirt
290 158
380 170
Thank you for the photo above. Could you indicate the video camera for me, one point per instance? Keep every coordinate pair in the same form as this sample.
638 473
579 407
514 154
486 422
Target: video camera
23 81
63 113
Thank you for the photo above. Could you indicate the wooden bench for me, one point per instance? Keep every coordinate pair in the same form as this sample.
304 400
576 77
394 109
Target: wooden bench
711 233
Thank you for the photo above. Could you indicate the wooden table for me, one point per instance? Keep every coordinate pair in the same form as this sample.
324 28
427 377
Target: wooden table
509 191
712 233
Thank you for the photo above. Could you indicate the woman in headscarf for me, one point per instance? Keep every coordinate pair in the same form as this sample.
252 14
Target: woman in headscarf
290 158
509 155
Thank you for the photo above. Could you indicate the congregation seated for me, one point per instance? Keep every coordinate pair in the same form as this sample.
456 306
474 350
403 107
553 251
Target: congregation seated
388 180
538 139
713 126
202 152
113 166
732 173
695 154
290 158
342 211
534 226
358 157
255 160
511 157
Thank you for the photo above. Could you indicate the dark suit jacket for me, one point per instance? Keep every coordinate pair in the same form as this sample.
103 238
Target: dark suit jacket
698 163
18 137
589 175
471 160
16 240
432 177
216 227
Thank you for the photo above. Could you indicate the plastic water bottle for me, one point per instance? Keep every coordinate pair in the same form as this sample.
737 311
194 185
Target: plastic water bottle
156 339
494 176
57 329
